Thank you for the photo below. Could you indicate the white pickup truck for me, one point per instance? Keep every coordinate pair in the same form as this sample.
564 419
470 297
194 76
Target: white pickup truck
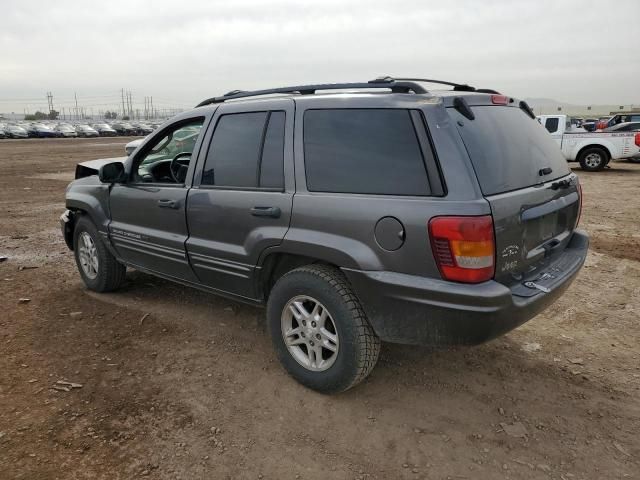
593 150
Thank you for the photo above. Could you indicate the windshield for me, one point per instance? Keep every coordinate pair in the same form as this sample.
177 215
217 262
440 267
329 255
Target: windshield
508 149
181 140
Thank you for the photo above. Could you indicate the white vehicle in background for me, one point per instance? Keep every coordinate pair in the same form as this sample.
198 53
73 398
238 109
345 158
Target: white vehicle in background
132 145
594 150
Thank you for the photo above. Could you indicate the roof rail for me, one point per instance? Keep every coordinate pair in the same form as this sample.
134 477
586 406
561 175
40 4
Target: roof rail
459 87
396 86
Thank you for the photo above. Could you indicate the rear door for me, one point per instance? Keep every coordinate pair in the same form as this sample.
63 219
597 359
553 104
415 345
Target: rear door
241 203
523 175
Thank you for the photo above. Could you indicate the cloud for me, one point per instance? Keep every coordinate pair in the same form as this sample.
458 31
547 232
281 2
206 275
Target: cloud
578 51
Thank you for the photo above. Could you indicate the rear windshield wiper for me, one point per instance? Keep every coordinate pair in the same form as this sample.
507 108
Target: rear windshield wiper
461 105
527 109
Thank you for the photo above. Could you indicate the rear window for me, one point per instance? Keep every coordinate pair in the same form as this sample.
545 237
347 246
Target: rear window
508 148
374 151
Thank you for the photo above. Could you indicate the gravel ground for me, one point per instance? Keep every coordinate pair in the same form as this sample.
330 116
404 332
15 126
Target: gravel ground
166 382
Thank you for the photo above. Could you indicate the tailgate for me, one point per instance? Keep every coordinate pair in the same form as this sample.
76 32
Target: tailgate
533 224
534 197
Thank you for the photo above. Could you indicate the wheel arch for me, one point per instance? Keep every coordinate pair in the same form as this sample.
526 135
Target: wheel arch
601 146
275 264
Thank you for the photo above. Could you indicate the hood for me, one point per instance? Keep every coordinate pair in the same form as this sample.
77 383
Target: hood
91 167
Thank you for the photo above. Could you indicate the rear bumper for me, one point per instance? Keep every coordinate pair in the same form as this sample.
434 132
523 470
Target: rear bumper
424 311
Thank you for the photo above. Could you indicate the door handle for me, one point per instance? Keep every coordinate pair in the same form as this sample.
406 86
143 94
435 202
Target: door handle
168 204
273 212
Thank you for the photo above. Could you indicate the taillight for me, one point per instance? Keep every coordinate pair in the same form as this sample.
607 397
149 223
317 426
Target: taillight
579 204
499 99
637 136
463 247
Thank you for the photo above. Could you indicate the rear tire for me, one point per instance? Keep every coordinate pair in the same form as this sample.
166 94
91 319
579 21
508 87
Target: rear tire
99 269
593 159
330 346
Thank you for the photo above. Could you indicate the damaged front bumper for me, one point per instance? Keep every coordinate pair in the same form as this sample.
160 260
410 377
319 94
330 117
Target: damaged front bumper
66 225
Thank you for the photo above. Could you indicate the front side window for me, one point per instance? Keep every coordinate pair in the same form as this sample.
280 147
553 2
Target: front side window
167 159
246 151
374 151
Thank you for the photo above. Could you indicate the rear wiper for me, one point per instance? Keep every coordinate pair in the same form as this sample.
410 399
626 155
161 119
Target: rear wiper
461 105
527 109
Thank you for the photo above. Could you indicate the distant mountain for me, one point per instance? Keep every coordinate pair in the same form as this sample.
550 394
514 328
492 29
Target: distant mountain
549 106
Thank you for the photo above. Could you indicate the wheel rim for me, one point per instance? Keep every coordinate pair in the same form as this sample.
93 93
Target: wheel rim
593 160
310 333
88 255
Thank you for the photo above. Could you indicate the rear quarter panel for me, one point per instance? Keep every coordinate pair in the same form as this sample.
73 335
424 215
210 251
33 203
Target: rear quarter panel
339 228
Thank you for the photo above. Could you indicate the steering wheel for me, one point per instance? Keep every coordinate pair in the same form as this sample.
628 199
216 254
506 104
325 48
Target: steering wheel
179 166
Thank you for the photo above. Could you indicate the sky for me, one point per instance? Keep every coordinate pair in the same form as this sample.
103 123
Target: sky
582 52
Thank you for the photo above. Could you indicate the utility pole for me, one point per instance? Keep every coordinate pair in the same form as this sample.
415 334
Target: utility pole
76 98
122 95
50 102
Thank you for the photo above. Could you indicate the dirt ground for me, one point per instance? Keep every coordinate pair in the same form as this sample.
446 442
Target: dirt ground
178 384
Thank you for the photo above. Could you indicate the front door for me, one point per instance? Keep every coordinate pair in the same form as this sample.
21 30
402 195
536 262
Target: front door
241 199
148 221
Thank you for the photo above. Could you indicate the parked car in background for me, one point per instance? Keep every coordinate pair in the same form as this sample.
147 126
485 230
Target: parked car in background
142 128
185 139
66 131
409 216
40 130
589 124
15 131
86 131
104 129
616 119
594 150
124 128
132 145
2 132
624 127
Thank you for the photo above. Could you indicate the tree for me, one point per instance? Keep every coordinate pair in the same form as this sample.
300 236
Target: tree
37 116
53 115
110 115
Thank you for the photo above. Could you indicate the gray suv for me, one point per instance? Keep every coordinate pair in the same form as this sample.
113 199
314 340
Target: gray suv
382 212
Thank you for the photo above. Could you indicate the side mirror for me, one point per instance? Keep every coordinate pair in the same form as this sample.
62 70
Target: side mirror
112 173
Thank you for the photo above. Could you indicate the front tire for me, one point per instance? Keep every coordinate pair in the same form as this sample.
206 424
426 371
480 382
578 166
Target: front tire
319 329
99 269
593 159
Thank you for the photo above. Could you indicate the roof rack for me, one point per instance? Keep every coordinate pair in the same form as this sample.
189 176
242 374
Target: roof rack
458 87
396 85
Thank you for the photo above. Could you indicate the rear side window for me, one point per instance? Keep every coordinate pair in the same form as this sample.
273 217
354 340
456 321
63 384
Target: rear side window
246 151
508 149
374 151
551 124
